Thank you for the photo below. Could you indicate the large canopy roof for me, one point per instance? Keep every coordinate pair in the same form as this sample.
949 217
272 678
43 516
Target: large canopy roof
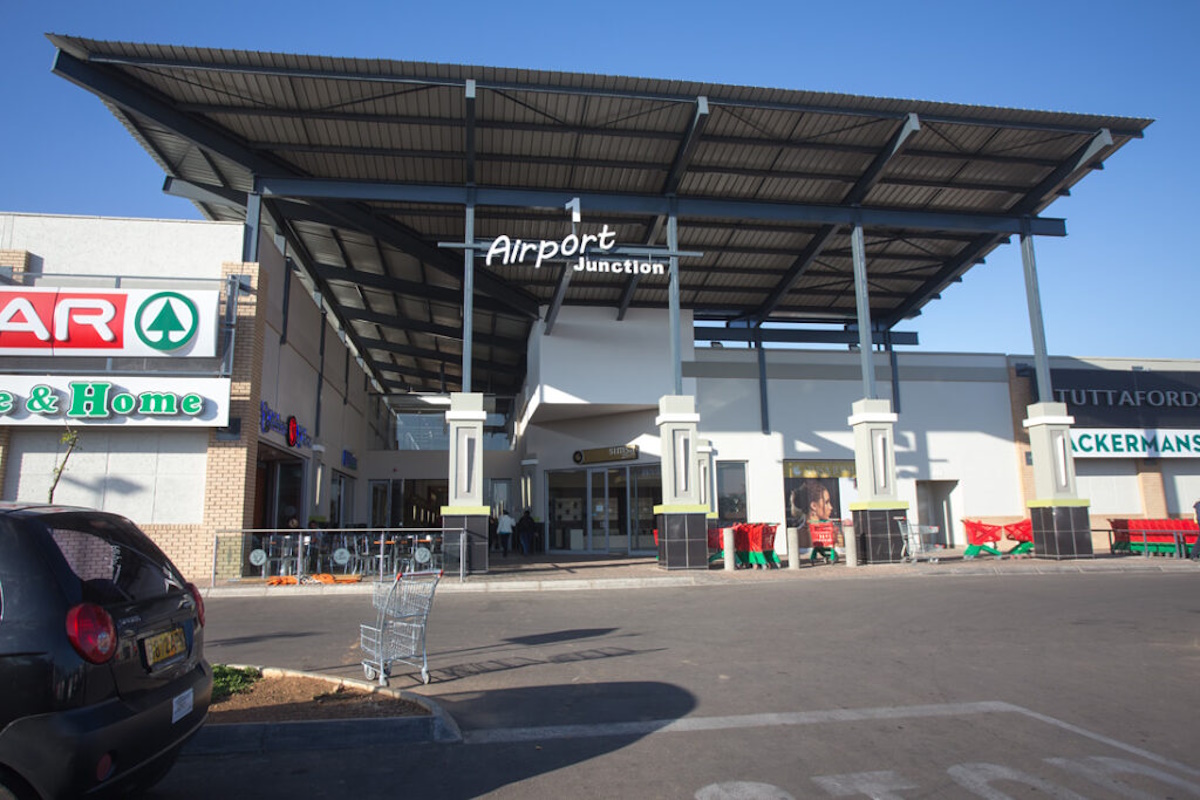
367 167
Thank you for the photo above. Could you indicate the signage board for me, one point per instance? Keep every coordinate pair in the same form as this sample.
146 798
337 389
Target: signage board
1135 443
623 452
108 322
111 400
295 434
1127 399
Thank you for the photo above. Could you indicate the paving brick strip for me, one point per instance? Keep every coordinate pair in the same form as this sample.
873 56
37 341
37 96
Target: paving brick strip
567 573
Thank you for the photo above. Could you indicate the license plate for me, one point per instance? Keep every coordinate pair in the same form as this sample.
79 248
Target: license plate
181 706
164 646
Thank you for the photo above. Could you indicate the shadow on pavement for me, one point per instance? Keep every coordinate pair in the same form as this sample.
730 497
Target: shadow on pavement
514 735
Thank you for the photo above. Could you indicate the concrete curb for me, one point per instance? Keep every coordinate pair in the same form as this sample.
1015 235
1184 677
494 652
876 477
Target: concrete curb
483 584
273 737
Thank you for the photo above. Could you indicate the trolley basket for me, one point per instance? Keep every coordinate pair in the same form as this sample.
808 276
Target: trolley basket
398 634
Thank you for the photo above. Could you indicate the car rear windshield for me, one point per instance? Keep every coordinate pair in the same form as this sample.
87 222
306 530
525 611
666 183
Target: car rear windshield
114 561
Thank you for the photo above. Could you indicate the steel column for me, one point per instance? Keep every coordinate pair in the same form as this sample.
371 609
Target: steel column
1041 362
863 305
468 291
764 410
673 298
253 224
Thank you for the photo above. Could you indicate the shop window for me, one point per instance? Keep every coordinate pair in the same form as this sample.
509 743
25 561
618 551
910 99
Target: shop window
430 432
731 492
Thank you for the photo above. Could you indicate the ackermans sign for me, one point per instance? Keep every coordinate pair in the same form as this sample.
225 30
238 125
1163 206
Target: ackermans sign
107 322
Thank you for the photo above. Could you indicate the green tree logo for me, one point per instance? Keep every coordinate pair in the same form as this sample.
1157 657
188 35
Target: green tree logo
166 321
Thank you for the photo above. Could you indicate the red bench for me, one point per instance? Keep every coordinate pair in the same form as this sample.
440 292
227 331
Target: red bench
1176 537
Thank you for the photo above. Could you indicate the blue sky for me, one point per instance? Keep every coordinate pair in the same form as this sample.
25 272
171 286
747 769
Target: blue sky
1124 282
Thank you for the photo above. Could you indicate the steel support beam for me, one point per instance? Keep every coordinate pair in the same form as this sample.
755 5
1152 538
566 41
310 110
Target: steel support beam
792 335
655 204
764 410
595 91
424 291
469 95
673 301
251 231
115 87
439 331
863 306
560 294
468 298
1081 159
1041 361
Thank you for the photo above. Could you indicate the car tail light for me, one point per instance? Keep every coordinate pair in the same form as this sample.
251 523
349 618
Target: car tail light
91 632
199 602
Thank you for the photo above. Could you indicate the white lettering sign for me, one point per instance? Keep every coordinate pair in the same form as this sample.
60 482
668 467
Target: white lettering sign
1134 443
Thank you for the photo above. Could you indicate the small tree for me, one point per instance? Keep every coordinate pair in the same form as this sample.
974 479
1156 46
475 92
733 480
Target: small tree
70 438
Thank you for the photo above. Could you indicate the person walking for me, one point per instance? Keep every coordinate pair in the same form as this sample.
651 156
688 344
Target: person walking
504 529
525 530
1196 545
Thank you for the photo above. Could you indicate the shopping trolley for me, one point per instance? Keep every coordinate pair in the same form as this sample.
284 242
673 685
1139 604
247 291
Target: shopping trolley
402 609
920 542
980 538
823 536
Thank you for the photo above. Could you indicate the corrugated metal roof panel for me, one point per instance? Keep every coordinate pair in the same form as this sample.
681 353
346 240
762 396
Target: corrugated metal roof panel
404 123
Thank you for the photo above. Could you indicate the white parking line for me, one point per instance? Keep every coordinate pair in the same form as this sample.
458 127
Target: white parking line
697 724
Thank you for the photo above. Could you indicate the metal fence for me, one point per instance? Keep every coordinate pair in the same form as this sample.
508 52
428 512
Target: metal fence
335 555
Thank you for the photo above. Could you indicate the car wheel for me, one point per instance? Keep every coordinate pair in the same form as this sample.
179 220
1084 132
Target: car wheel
13 788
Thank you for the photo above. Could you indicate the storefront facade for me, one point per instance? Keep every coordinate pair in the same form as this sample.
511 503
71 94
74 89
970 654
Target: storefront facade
581 449
554 253
259 409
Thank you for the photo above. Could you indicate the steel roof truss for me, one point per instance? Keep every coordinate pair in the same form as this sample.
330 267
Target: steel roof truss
653 204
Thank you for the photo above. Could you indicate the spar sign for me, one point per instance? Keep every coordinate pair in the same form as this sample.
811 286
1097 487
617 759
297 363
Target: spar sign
107 322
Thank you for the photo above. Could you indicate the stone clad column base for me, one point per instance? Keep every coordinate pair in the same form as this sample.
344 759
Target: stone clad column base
455 518
682 537
1061 530
877 533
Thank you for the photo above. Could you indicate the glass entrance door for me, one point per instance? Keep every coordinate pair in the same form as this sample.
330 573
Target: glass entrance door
589 511
607 506
645 492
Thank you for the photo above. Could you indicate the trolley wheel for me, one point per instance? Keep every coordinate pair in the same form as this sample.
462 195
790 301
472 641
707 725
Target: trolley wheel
933 561
424 675
369 672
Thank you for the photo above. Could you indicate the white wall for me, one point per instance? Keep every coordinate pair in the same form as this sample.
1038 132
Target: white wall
147 475
1110 486
1181 480
120 246
590 357
954 421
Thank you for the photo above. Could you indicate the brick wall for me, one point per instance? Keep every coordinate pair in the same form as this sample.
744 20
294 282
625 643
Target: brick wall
1152 488
18 262
229 479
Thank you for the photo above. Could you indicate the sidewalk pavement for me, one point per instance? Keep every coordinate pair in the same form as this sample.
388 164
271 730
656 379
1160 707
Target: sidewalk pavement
566 572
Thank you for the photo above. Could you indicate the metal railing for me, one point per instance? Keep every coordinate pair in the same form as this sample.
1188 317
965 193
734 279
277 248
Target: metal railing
335 555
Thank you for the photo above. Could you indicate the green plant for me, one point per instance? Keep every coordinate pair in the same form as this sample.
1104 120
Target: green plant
232 680
70 439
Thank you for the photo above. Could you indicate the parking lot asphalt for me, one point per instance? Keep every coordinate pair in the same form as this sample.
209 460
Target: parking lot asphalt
943 678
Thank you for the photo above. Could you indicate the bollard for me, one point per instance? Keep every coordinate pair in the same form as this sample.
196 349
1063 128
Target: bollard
727 542
850 546
793 545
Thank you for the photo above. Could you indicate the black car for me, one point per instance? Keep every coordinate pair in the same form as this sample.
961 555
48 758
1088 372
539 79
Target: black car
102 671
